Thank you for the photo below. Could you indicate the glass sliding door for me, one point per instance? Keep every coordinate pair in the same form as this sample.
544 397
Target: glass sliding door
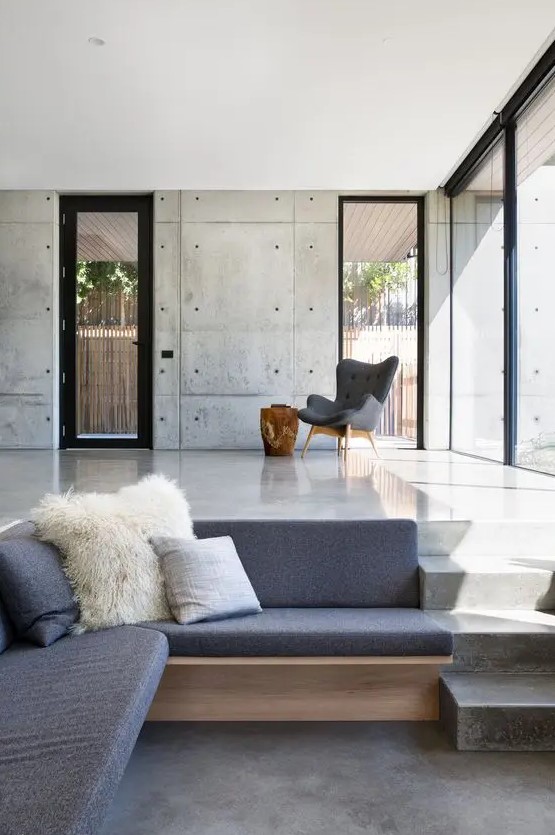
478 317
535 158
106 321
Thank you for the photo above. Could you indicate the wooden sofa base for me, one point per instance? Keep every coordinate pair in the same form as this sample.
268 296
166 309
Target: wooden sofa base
298 689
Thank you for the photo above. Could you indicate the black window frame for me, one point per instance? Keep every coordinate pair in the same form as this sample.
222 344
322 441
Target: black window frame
503 127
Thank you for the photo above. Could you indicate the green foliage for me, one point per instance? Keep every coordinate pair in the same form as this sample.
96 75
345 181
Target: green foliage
110 276
376 277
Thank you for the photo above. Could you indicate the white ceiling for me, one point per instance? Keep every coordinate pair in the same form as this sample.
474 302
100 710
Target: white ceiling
253 94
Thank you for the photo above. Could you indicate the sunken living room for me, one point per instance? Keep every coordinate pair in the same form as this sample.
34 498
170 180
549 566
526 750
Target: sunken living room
277 466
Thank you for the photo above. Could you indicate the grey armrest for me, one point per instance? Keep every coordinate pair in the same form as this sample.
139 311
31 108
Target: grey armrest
367 416
322 404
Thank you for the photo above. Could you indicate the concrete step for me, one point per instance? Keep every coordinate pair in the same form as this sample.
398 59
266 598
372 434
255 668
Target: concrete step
497 537
500 641
480 582
499 711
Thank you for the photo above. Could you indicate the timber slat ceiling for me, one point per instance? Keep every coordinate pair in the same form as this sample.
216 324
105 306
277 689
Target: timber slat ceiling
379 231
107 236
372 232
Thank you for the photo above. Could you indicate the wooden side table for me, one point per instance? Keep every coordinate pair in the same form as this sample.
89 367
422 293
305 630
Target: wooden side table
279 425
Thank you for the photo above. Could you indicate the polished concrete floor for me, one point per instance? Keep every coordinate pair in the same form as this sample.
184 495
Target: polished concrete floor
327 779
436 486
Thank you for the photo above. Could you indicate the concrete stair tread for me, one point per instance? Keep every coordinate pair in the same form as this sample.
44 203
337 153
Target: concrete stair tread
487 564
494 536
499 640
499 711
482 582
494 690
495 621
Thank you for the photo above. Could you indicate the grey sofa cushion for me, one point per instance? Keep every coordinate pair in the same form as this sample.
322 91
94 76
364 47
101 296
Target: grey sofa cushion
298 632
70 716
204 579
22 528
35 591
6 629
326 563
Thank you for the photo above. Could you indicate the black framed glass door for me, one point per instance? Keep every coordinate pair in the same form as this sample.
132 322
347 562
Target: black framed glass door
106 299
381 304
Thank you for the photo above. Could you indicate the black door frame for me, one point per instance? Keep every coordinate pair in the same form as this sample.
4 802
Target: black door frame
69 207
419 202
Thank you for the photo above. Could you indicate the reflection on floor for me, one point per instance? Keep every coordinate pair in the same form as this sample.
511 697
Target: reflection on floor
427 486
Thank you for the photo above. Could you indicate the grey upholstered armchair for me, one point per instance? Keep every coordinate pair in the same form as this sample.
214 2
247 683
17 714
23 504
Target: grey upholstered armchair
362 390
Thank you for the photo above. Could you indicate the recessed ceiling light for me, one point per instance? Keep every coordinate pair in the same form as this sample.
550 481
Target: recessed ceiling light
96 41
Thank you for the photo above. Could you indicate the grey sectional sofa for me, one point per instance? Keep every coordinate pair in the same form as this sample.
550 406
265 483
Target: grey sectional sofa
341 631
327 588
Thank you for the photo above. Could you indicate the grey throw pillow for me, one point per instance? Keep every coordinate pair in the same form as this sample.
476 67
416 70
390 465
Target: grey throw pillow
35 592
205 579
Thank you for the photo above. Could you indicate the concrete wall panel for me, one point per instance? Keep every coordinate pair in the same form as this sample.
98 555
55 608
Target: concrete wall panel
316 206
316 277
224 422
249 278
167 206
237 276
167 318
315 361
316 306
166 422
25 422
166 267
234 362
166 308
535 197
237 206
26 270
28 319
28 207
26 357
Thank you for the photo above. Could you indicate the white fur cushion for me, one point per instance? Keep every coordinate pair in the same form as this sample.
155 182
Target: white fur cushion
104 538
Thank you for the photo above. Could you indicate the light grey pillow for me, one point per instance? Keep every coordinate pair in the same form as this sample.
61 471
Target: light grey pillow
204 579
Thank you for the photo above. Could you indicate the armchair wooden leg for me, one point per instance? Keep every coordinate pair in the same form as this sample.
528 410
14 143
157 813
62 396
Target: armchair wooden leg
308 440
339 441
373 442
347 441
